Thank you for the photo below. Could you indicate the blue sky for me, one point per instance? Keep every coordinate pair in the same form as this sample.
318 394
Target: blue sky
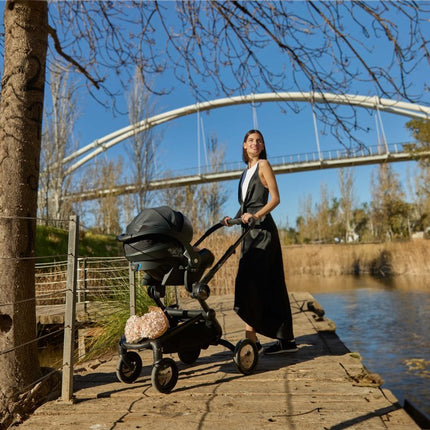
285 133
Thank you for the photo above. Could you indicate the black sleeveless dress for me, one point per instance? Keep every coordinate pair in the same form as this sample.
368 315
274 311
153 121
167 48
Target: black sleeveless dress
261 297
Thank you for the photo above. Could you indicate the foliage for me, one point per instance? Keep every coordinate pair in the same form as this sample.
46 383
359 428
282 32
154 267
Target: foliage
52 241
387 217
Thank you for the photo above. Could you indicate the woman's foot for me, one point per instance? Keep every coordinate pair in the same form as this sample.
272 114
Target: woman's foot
281 346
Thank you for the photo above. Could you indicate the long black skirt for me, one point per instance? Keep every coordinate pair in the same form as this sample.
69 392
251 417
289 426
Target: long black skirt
261 297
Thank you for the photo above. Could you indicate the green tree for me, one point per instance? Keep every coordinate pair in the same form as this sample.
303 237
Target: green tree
420 130
389 211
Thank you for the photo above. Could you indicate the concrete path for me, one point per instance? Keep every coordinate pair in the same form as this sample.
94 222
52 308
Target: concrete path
322 386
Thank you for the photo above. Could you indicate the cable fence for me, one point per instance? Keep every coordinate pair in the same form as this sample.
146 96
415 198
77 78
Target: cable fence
70 295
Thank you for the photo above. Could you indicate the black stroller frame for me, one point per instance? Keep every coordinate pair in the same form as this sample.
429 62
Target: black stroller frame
190 331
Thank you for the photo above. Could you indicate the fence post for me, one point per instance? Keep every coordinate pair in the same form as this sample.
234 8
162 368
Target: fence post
132 278
70 310
85 269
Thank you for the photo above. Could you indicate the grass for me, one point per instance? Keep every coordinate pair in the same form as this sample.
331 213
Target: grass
52 242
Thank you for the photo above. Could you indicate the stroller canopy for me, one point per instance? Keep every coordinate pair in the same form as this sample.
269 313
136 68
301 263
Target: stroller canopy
162 220
157 239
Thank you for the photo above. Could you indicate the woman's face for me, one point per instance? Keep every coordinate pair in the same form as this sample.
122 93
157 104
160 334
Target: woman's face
254 145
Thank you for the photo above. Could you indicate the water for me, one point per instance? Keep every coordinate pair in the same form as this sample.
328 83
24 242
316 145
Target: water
388 324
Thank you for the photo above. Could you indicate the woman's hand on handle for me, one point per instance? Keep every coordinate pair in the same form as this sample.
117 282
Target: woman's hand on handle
247 217
224 221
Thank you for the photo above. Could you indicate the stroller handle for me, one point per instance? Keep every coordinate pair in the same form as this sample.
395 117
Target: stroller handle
231 221
237 221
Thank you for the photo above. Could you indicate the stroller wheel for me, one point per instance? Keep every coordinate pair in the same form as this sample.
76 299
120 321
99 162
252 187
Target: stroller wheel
128 373
189 357
164 375
245 356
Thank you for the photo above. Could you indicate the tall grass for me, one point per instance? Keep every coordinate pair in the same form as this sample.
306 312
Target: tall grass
381 260
112 321
385 260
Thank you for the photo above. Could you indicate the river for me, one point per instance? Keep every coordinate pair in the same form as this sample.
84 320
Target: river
387 323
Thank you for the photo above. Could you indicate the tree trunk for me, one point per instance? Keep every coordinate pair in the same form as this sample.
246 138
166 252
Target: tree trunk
21 107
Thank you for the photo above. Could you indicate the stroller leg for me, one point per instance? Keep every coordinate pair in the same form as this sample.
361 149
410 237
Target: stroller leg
157 351
227 344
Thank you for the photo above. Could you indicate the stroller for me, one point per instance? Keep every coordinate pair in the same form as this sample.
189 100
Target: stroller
157 242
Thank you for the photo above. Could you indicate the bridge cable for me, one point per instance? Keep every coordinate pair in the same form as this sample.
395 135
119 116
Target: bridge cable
316 131
198 140
254 115
205 149
384 139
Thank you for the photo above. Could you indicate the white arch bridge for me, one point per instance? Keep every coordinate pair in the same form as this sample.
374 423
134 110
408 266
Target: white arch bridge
287 164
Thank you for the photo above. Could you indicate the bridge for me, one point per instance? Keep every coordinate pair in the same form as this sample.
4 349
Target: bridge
337 158
288 164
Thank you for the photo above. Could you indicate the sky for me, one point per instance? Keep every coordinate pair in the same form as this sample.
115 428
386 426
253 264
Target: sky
285 133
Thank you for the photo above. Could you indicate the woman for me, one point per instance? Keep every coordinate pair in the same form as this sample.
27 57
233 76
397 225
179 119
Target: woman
261 297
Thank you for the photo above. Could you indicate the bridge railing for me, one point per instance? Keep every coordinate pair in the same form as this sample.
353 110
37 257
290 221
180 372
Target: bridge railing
298 158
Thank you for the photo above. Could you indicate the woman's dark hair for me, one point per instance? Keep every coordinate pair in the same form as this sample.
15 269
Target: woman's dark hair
263 154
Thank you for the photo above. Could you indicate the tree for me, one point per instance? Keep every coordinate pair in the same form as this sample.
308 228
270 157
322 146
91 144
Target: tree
212 196
57 143
346 182
142 145
389 211
322 216
223 43
420 130
21 108
306 224
107 210
202 204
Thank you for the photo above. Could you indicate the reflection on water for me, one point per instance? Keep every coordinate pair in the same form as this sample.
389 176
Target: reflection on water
387 323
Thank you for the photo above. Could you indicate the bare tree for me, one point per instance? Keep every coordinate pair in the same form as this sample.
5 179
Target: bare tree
107 210
346 182
202 204
306 223
211 197
141 146
57 143
318 46
420 130
21 107
322 215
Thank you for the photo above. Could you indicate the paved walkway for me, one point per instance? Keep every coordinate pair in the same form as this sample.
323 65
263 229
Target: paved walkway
322 386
